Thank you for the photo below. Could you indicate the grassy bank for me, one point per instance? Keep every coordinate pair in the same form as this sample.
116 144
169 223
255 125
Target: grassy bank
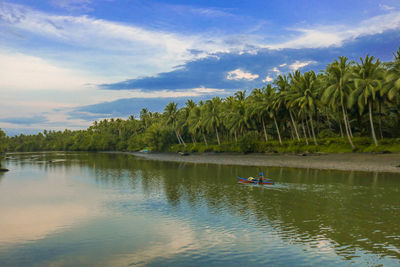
325 145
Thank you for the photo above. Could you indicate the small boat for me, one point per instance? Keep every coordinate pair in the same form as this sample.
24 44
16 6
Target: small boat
255 181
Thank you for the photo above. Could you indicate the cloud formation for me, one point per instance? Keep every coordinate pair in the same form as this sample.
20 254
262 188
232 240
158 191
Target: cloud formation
72 5
211 72
267 79
31 120
298 64
239 74
25 72
123 108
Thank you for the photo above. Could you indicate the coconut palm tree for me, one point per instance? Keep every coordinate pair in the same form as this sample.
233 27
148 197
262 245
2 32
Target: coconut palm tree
393 77
339 88
190 106
171 116
368 78
304 96
261 106
195 124
236 117
212 118
284 97
273 105
144 117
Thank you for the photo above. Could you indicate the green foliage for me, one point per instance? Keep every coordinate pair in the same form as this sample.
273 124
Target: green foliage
158 136
248 143
3 141
136 142
326 133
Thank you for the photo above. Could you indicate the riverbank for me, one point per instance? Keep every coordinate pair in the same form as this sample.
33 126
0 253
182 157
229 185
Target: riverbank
346 161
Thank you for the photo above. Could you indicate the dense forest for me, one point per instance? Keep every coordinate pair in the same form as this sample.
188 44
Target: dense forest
350 106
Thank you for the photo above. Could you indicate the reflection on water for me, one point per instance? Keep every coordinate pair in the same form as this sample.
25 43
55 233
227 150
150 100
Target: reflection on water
108 209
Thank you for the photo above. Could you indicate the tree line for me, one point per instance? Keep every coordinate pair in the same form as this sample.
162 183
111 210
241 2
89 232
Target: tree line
350 104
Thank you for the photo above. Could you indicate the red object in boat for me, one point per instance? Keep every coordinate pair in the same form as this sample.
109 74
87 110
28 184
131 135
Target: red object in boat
255 181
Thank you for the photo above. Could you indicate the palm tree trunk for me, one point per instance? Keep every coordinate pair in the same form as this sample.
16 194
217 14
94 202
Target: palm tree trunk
235 137
216 131
312 130
265 131
304 131
183 142
177 137
204 138
380 120
346 126
277 130
193 139
291 131
348 123
341 129
308 129
294 125
372 123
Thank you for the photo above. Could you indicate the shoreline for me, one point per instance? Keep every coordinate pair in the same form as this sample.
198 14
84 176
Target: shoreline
344 162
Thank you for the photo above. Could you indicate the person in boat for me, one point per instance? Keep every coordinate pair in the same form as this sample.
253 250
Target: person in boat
260 178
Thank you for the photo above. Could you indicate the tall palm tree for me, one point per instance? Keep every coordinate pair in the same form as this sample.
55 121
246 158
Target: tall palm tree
368 78
212 118
190 106
171 115
304 96
393 77
284 97
195 125
144 117
339 89
261 107
273 104
237 120
256 110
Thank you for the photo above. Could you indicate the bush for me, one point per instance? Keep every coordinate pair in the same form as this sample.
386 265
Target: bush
136 143
326 133
248 142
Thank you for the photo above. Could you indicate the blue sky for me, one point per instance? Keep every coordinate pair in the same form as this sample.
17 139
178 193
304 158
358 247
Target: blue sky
66 63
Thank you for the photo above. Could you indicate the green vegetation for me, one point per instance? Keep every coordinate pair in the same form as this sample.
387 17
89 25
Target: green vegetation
351 106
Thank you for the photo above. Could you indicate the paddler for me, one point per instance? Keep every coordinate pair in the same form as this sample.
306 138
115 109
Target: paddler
260 178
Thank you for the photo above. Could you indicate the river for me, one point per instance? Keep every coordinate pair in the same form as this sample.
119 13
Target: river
100 209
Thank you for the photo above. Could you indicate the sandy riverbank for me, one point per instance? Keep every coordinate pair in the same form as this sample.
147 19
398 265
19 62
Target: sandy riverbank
347 161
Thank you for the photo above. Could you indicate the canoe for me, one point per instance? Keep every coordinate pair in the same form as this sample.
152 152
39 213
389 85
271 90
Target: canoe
245 181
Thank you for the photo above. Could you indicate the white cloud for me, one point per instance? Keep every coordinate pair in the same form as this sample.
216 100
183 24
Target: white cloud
156 51
283 65
300 64
310 38
267 79
24 72
172 93
275 69
386 7
153 50
72 4
335 35
55 105
208 90
239 74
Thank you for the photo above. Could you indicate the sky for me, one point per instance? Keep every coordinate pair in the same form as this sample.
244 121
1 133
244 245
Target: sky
67 63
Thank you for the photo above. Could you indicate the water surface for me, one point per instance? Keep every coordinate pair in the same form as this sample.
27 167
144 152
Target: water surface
107 209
